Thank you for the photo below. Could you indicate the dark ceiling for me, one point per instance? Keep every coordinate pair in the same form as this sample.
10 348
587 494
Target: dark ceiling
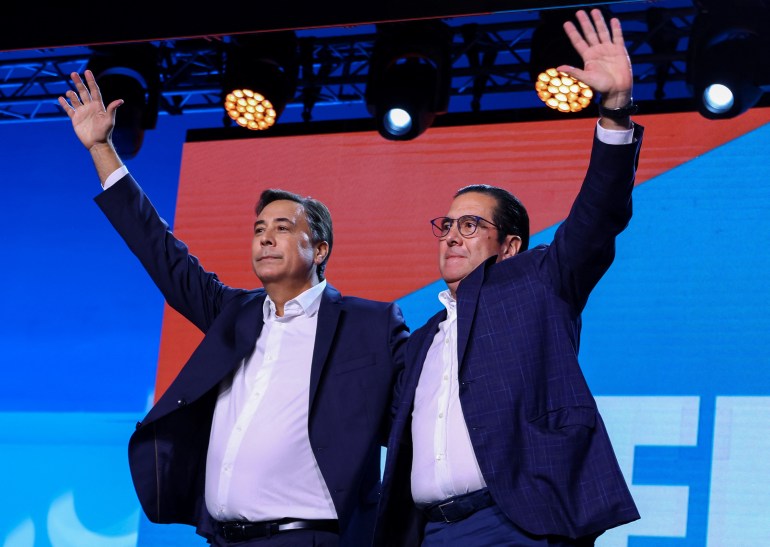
38 54
73 24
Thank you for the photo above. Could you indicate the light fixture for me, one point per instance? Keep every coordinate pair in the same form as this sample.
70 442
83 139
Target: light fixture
562 92
549 49
724 70
129 72
260 77
409 77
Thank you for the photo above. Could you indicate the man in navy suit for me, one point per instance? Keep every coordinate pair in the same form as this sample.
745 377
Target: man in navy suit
497 439
271 434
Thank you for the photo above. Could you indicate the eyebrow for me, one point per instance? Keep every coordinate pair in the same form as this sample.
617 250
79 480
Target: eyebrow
279 219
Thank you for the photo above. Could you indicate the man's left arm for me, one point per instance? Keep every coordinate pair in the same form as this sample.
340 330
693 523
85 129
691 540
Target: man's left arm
584 245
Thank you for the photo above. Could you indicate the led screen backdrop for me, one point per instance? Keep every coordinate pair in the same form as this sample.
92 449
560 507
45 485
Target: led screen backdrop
672 335
673 342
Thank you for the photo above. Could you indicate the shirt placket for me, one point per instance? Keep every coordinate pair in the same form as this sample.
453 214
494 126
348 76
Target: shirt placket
258 386
448 356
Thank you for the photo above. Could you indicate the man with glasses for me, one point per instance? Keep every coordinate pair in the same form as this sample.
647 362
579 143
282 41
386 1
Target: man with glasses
497 439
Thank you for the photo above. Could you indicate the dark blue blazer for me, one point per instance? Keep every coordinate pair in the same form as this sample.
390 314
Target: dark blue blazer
357 356
540 442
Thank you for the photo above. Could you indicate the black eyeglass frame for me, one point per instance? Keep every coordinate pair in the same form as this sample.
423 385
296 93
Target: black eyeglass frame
440 232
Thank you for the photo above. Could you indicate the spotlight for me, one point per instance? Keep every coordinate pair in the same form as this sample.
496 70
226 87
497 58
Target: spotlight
718 98
260 77
725 73
562 92
129 72
409 77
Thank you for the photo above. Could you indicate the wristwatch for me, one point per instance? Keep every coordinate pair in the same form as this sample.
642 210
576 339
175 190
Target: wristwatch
619 113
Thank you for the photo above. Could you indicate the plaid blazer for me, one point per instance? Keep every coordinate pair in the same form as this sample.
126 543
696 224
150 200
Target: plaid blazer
538 437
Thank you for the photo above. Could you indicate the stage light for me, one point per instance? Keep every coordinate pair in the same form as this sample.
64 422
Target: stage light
724 71
718 98
398 121
129 72
260 77
550 48
562 92
409 77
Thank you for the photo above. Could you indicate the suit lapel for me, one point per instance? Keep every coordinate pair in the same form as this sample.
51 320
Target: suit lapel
467 301
417 349
328 317
248 325
424 337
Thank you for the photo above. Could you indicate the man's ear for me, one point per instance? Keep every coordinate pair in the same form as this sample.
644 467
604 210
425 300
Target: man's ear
321 252
509 247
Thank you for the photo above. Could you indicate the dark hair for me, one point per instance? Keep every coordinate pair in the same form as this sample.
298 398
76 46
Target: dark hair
316 213
510 215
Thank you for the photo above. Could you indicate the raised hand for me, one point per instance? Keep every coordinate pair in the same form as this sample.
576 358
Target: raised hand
92 122
606 64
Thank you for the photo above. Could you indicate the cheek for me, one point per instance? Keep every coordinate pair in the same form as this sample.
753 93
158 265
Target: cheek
489 246
442 247
305 251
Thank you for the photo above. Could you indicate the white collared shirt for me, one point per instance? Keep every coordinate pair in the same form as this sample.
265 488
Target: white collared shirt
443 463
260 464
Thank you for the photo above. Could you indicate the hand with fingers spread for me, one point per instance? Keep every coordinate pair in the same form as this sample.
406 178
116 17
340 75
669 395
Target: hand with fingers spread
93 124
606 64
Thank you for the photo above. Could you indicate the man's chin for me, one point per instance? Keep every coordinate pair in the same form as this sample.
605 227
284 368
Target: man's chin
266 275
451 276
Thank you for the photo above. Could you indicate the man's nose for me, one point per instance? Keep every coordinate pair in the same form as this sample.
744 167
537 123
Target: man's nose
453 237
266 237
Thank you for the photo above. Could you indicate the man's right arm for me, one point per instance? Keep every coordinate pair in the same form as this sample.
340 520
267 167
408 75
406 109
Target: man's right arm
185 284
187 287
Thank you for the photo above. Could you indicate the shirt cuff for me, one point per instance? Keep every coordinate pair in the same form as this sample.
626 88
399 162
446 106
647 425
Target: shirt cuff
115 176
614 136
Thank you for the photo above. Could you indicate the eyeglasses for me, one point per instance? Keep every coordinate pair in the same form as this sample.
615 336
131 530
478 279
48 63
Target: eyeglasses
466 225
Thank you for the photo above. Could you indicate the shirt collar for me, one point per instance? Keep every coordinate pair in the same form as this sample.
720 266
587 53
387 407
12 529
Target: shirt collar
306 303
446 298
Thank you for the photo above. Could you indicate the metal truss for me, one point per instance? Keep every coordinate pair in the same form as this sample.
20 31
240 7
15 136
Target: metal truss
333 69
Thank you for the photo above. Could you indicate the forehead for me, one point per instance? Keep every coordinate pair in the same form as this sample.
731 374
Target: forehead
282 208
473 203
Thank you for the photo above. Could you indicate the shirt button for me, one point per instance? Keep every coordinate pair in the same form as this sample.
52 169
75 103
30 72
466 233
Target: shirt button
438 457
440 414
446 376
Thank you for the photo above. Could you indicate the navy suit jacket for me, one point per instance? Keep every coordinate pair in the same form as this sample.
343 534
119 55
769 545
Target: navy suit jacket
357 356
539 440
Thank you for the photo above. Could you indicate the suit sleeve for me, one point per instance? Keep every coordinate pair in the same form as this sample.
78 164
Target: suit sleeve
187 287
398 333
584 245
